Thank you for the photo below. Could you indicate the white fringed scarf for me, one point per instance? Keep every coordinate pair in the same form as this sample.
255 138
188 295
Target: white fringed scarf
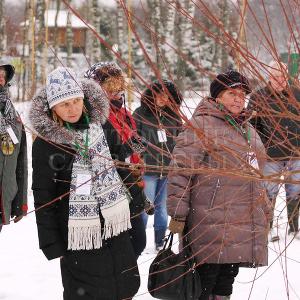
108 196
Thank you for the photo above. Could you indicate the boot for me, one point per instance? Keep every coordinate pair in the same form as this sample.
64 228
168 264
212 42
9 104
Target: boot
159 236
293 215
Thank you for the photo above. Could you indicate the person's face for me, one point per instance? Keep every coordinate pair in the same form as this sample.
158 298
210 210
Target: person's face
114 95
161 99
233 100
69 110
278 80
2 77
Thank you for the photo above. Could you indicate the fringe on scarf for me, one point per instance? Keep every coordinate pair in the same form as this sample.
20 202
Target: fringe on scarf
84 237
117 218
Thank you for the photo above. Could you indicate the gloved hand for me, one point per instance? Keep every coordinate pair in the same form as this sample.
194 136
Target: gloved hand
149 207
177 225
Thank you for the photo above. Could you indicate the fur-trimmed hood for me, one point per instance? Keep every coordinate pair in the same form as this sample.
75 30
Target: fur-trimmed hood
96 104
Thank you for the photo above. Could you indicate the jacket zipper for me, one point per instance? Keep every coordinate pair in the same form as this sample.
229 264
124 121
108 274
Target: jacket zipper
212 200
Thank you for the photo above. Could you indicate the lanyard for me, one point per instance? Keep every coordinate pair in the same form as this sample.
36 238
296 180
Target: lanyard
83 151
239 128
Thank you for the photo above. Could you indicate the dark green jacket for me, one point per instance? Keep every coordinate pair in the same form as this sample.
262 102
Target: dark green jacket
13 176
275 120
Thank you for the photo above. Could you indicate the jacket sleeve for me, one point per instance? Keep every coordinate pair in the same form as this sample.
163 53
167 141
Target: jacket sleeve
19 204
44 190
187 155
138 122
137 194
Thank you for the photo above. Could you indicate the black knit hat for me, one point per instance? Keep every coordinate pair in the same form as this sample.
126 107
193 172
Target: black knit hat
231 79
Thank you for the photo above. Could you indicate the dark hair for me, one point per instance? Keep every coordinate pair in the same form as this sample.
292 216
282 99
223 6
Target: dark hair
162 86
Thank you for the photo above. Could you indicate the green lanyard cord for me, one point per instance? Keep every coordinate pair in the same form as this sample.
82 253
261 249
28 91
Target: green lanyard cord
83 151
246 135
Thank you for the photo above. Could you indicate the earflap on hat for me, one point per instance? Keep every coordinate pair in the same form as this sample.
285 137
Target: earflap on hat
62 84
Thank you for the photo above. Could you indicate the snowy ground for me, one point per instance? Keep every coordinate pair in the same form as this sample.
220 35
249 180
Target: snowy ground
27 275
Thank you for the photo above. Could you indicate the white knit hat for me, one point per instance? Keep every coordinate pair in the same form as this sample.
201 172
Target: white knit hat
62 85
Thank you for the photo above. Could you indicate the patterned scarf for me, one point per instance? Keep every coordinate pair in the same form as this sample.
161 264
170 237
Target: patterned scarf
8 113
108 196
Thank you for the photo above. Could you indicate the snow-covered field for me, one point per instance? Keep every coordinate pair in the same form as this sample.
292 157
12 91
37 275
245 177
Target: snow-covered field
27 275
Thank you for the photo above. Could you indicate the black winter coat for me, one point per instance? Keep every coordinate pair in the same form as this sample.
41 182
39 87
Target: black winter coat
96 269
108 273
275 121
148 122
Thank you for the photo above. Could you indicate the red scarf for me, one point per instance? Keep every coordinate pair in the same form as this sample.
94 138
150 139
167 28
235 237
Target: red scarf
118 119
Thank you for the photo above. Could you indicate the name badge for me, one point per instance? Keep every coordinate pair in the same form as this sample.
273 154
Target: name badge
12 135
252 160
162 136
83 184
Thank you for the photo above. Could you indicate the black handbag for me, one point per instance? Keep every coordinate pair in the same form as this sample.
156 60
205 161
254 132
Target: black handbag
173 276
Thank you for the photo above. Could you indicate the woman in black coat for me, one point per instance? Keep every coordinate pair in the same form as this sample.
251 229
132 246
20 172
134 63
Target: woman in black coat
158 123
82 206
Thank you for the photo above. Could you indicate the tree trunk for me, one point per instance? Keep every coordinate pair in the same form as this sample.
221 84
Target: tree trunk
3 39
169 53
40 15
32 50
225 21
25 45
96 53
69 41
120 28
56 37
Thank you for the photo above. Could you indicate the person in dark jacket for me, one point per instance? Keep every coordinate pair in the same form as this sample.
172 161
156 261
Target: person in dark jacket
82 206
158 123
120 131
212 197
13 154
275 119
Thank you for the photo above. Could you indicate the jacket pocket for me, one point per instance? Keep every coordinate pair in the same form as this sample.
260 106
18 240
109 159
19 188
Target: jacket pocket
214 195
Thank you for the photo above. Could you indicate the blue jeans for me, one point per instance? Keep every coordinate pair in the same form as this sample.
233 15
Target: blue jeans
156 191
277 167
292 190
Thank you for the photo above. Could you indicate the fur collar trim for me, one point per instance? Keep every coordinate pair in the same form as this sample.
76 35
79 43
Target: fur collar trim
43 124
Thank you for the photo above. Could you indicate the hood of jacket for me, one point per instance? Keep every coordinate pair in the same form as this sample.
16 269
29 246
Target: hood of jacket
96 103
